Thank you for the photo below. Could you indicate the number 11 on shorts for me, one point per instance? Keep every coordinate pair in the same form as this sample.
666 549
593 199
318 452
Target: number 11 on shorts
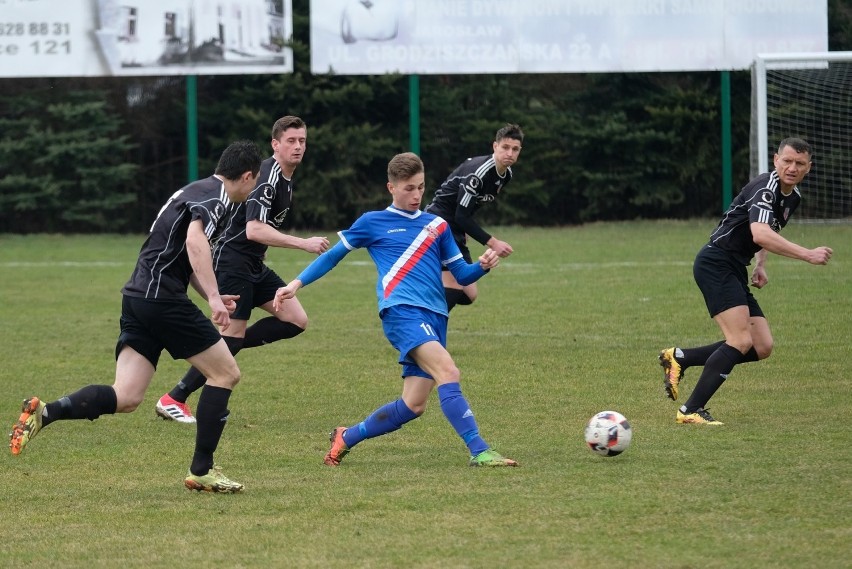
428 329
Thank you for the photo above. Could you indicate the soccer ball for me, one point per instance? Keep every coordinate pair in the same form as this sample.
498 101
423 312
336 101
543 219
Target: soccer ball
608 433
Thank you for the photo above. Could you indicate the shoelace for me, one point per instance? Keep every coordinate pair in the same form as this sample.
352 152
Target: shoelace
705 414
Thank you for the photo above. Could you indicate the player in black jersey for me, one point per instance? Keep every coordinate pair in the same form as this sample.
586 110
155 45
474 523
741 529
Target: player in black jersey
475 182
238 259
157 315
749 228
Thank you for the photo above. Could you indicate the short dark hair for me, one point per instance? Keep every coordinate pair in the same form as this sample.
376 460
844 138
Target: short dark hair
284 123
240 157
796 144
512 131
404 166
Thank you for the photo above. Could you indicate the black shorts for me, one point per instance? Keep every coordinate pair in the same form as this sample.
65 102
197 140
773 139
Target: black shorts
723 282
254 291
151 326
461 241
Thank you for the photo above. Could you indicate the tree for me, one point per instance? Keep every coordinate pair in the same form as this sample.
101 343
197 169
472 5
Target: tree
63 164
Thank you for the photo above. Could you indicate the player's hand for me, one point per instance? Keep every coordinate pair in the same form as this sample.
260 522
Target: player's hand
502 248
285 293
219 313
820 255
759 277
316 245
489 259
230 302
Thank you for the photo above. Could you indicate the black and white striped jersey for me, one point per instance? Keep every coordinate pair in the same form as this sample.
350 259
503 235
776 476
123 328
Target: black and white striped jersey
269 202
163 268
472 184
760 201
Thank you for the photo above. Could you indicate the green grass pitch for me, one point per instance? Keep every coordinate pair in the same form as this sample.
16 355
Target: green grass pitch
569 325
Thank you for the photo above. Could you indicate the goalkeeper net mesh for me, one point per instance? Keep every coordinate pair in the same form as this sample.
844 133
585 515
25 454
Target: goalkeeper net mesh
807 96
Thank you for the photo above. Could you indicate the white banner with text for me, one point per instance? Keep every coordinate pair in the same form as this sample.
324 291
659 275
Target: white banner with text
79 38
365 37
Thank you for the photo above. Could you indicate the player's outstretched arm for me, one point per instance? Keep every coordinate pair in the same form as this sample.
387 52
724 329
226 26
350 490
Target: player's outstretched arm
316 270
262 233
763 235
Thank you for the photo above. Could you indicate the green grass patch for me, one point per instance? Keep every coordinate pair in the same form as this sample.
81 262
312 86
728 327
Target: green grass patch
571 324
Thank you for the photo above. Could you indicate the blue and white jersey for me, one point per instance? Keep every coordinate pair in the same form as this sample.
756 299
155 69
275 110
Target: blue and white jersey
408 249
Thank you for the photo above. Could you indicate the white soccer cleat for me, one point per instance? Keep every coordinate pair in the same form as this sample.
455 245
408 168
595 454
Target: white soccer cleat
172 410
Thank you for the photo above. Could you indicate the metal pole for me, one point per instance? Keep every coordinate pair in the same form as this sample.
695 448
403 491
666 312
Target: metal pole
726 140
762 136
192 126
414 112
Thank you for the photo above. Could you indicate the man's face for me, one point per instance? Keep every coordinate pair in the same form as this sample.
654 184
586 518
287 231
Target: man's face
792 166
289 148
407 194
506 151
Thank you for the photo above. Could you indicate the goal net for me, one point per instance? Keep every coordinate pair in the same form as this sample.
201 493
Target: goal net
807 95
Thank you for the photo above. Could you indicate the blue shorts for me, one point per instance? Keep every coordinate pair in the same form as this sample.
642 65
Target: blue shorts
407 327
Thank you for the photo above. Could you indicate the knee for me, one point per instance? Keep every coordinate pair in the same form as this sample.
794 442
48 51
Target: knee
417 407
764 350
227 378
297 317
448 374
126 402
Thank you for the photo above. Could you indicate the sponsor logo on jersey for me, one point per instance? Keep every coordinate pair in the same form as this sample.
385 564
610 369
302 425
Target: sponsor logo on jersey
279 219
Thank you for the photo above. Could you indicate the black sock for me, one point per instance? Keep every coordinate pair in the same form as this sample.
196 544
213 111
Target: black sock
696 356
89 403
456 296
211 416
715 372
194 379
268 330
751 356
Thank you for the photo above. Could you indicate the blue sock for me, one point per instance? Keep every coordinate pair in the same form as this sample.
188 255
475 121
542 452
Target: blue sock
385 419
458 413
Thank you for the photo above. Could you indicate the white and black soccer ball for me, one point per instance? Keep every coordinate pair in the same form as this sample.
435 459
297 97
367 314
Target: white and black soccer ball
608 433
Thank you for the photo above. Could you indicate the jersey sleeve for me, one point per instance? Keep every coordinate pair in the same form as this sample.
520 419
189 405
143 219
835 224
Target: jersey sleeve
469 191
211 213
323 264
259 203
358 235
451 257
761 208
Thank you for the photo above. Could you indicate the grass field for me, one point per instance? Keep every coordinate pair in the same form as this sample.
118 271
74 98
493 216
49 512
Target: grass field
569 325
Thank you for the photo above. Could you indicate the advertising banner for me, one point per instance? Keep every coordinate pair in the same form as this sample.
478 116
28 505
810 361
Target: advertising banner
351 37
79 38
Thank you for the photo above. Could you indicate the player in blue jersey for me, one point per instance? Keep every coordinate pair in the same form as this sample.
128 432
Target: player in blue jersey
157 315
474 183
409 248
749 228
238 259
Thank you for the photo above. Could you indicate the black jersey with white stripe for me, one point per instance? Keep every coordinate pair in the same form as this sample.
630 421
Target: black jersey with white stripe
269 202
473 183
760 201
163 268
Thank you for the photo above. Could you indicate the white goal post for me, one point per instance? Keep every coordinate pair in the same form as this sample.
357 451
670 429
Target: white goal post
807 95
